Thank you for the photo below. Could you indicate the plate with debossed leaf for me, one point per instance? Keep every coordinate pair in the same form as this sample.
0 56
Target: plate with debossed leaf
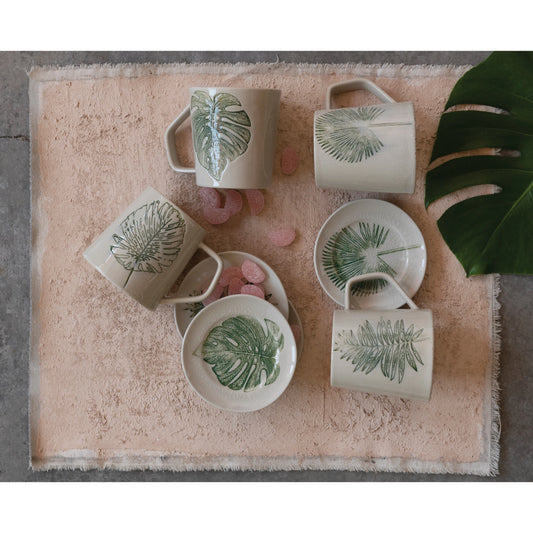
366 236
239 353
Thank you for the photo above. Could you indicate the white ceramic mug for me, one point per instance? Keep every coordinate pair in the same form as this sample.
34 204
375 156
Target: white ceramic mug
383 352
147 247
370 148
234 136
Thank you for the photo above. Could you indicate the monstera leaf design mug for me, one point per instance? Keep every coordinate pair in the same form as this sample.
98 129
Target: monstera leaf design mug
234 136
383 352
147 247
370 148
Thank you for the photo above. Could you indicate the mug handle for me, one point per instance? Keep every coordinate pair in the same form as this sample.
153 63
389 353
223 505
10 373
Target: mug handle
357 83
210 289
375 275
170 142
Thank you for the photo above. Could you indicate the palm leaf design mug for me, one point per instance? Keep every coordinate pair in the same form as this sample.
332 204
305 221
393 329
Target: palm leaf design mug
234 134
144 251
370 148
383 352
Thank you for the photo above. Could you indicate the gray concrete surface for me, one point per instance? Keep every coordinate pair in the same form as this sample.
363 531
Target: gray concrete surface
516 380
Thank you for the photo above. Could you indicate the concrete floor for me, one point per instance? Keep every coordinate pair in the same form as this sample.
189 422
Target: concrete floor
516 379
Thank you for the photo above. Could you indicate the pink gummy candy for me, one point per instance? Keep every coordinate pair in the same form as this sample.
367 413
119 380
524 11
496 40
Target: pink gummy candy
235 286
289 161
210 197
282 237
215 295
253 290
296 332
233 202
216 215
228 274
256 200
252 272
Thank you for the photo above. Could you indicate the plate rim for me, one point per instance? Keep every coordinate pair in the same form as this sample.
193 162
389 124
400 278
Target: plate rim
222 254
258 301
387 205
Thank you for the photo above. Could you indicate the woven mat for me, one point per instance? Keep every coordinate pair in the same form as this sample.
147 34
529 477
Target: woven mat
106 386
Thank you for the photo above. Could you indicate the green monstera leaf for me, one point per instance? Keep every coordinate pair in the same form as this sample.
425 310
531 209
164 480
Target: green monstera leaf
151 238
221 130
489 233
241 353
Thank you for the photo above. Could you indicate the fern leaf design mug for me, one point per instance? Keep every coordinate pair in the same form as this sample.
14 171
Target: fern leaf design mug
383 352
234 136
144 251
370 148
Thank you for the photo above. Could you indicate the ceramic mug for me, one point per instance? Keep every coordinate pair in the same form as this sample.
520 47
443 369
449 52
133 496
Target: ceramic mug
383 352
147 247
234 136
369 148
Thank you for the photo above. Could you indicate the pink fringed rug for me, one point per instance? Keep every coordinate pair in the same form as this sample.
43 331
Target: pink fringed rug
107 388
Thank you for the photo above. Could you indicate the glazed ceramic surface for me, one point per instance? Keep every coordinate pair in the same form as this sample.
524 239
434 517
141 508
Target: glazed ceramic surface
239 353
365 236
200 275
146 248
370 148
234 136
294 320
383 352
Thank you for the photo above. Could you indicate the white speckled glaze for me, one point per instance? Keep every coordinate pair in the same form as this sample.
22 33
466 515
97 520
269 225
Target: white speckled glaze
391 168
253 168
150 287
350 336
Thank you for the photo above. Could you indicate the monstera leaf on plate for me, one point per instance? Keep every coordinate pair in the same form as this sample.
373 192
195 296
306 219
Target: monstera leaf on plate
241 352
489 233
151 238
221 130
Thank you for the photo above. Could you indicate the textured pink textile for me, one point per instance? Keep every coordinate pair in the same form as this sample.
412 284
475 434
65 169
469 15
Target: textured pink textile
108 389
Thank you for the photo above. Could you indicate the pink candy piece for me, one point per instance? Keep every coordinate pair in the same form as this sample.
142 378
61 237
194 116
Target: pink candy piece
282 237
252 272
256 200
215 295
289 161
296 332
210 197
235 286
233 202
216 215
253 290
228 274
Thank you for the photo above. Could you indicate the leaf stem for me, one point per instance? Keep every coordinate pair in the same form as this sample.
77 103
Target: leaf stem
128 278
401 249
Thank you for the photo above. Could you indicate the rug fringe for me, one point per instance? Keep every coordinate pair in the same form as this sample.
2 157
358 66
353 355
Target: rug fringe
87 71
495 387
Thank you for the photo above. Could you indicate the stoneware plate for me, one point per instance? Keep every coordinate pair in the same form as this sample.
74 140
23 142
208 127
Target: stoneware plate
364 236
294 320
239 353
200 275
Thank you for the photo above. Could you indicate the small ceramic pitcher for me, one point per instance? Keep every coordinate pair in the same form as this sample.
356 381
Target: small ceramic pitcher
147 247
383 352
370 148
